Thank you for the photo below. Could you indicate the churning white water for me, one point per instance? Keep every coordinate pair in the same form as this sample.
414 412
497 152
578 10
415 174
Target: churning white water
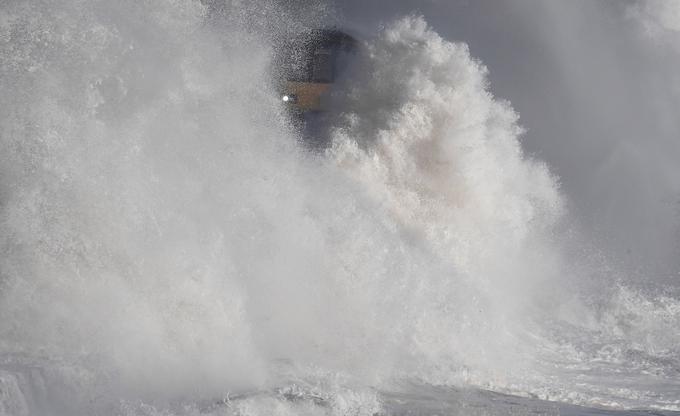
170 245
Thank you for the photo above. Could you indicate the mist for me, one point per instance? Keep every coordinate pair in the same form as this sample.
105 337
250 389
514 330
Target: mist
597 89
493 211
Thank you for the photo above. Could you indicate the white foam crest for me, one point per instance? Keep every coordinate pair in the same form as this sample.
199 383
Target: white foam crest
119 159
429 142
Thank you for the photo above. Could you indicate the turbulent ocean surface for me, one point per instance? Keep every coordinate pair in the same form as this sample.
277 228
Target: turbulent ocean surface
171 245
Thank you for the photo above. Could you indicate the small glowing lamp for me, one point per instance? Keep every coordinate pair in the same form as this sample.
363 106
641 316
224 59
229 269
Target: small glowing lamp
289 98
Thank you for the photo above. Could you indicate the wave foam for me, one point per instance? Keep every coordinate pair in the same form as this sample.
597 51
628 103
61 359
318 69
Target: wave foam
166 240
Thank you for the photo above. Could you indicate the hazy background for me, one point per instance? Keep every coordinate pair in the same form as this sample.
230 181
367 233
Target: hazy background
596 86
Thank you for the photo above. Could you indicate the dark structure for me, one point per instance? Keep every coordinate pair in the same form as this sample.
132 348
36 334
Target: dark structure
308 65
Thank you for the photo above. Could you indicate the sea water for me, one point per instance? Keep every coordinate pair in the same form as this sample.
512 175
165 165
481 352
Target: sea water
170 245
